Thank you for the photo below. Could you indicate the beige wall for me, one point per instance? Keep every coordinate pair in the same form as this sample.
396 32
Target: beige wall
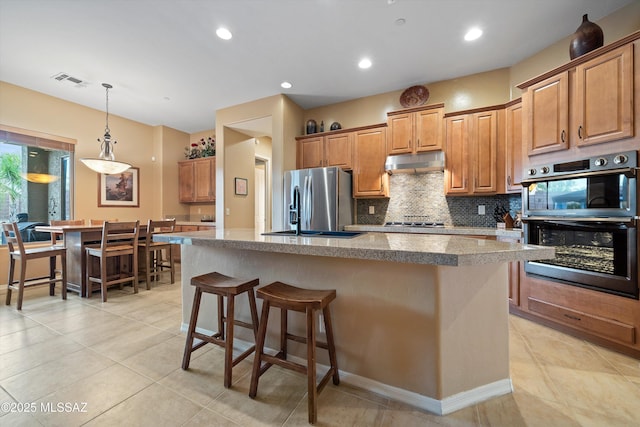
138 144
285 116
477 90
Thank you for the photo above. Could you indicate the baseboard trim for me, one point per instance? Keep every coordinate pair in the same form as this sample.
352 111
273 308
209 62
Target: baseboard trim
439 407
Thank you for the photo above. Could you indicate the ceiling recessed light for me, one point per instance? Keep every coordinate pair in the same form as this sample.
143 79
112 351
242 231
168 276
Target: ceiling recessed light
223 33
364 63
473 34
285 85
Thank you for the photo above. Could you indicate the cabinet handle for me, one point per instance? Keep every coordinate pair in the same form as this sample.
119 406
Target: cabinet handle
572 317
509 180
563 135
580 131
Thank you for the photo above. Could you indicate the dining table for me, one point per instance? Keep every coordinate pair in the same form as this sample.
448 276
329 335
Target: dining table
76 239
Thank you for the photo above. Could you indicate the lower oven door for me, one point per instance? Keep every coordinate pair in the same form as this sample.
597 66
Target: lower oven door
597 255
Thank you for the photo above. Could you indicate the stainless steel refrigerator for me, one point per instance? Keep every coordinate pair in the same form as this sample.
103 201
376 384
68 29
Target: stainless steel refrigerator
325 201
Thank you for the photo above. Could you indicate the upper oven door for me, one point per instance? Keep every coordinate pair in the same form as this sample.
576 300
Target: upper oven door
610 194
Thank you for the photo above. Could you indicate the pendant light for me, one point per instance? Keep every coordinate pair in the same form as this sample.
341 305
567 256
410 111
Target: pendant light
106 162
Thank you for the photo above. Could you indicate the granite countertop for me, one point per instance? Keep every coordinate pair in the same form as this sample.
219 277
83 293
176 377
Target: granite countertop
469 231
394 247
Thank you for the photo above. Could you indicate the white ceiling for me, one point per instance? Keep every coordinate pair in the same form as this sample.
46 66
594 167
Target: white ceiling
168 67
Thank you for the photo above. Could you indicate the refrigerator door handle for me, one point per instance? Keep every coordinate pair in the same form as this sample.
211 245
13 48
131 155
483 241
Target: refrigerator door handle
309 209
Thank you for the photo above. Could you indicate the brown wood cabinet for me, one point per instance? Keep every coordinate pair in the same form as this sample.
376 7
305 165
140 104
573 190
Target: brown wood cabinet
548 115
603 97
335 149
513 146
415 130
588 101
369 177
473 152
514 274
197 180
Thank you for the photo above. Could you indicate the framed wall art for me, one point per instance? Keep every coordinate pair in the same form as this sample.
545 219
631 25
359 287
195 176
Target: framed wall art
241 186
119 189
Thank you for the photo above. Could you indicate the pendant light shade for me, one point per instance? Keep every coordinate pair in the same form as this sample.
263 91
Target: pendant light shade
106 161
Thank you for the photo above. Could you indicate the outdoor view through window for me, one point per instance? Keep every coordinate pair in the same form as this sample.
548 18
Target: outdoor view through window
35 181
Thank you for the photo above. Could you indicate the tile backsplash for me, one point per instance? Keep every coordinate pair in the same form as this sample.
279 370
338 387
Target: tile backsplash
423 195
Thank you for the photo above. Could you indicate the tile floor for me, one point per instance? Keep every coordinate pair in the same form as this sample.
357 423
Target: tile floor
118 363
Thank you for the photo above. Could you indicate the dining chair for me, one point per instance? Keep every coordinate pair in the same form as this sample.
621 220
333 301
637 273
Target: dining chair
58 222
158 256
101 221
118 239
17 252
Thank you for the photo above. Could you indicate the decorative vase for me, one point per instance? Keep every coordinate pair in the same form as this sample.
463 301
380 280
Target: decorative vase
587 37
311 126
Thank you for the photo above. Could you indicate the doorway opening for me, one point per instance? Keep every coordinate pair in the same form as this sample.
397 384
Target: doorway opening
261 194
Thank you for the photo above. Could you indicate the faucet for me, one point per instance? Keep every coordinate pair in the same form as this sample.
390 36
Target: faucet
294 210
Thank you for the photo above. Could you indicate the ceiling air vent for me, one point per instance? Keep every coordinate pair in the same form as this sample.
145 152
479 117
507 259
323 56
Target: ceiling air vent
64 77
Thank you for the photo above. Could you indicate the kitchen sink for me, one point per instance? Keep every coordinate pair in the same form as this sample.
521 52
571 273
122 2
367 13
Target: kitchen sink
314 233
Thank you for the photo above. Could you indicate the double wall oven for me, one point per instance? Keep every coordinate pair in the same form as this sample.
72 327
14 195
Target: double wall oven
588 210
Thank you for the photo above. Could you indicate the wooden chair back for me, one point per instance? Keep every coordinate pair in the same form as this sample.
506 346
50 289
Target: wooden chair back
58 222
101 221
18 253
13 238
119 234
159 226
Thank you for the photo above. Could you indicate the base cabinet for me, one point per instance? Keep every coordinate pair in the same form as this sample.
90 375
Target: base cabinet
608 320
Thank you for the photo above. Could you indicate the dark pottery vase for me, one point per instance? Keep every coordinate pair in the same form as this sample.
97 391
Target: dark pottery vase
311 126
335 126
587 37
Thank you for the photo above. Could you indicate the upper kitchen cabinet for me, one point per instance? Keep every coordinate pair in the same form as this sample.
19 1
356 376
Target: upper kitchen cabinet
473 152
369 176
333 149
548 109
197 180
513 146
587 101
604 97
415 130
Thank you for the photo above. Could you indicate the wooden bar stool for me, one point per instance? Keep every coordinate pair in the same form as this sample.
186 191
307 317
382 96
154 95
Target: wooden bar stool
308 301
229 287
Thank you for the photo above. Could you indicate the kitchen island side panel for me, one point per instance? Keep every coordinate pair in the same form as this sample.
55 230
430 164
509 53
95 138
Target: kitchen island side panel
426 329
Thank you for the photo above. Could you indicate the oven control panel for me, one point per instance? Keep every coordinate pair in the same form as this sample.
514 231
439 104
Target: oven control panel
628 159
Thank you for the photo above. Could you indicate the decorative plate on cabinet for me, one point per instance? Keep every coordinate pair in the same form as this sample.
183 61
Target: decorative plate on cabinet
414 96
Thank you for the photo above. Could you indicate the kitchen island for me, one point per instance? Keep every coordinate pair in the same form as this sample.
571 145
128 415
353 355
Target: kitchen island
419 318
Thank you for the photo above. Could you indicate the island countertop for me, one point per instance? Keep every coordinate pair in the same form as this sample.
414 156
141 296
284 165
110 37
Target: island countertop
395 247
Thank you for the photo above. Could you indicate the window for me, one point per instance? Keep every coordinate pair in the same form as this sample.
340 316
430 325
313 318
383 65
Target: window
36 175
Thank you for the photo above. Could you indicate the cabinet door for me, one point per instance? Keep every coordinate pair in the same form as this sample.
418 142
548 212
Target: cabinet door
338 150
204 171
186 181
400 128
370 178
428 129
514 148
311 153
549 115
456 170
604 97
484 152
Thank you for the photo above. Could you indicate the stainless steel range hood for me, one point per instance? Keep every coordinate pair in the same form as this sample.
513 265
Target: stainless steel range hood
431 161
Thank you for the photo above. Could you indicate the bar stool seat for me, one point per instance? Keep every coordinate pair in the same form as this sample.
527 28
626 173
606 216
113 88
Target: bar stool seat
223 287
308 301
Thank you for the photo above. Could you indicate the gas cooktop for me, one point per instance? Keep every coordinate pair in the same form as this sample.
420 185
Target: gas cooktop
423 224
